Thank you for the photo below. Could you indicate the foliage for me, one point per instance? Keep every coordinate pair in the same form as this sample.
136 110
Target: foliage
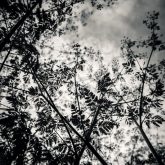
31 87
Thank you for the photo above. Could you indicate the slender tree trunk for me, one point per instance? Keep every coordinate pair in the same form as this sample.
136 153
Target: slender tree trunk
157 157
16 26
14 29
50 102
77 161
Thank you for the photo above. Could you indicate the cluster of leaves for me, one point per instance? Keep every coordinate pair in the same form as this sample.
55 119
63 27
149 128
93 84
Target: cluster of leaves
139 158
99 4
14 128
51 148
32 20
104 83
149 76
78 118
104 121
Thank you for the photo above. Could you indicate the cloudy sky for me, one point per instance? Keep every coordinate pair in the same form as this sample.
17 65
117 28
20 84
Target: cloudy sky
106 28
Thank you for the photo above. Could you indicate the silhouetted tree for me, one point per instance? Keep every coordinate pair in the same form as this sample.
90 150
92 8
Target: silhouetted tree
53 137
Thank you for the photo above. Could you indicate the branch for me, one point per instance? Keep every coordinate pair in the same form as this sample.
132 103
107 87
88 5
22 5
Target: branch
74 147
7 55
50 102
87 137
157 157
142 90
16 26
125 102
10 66
7 109
76 94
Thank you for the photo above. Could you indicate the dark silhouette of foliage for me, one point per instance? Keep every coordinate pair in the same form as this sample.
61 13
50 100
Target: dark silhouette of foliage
53 137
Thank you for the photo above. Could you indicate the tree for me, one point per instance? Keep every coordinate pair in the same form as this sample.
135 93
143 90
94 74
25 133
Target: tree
66 131
150 77
29 15
32 23
29 52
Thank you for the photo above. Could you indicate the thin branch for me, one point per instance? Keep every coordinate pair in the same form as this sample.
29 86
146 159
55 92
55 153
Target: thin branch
10 66
7 109
76 94
4 105
16 26
136 60
50 102
88 134
7 55
157 157
74 147
125 102
142 89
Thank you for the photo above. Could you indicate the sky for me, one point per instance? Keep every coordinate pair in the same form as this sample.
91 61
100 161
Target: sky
104 29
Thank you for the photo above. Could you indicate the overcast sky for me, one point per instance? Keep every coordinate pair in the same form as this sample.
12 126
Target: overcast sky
106 28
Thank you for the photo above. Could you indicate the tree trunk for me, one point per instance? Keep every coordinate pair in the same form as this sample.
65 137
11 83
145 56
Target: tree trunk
13 30
157 157
77 161
16 26
50 102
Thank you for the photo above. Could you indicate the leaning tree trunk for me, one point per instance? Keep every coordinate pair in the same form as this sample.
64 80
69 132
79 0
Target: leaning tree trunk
157 157
14 29
77 160
51 103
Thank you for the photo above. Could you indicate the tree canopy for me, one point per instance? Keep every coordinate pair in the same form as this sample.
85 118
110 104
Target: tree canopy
73 109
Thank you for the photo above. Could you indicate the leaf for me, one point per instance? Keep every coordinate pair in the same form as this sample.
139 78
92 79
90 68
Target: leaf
106 126
102 131
155 123
75 120
162 47
146 101
62 148
33 91
159 88
12 100
104 83
68 10
148 124
80 67
157 120
156 103
73 107
90 98
129 120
